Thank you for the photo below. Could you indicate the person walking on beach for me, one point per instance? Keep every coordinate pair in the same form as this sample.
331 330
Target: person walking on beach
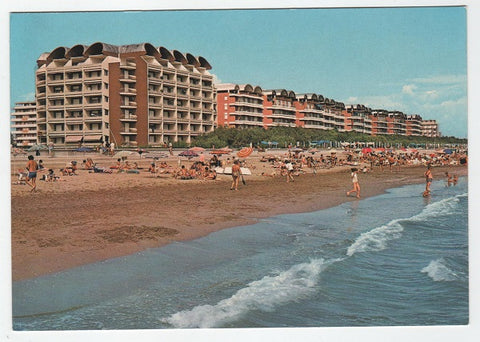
356 185
289 167
32 168
428 179
236 172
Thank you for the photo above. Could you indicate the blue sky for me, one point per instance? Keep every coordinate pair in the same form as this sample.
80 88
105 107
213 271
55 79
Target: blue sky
408 59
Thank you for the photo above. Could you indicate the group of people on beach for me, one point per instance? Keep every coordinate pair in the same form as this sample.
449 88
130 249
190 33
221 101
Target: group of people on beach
289 165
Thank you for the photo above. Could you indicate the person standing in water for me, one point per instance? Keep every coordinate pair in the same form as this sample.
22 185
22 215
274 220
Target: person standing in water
356 185
429 179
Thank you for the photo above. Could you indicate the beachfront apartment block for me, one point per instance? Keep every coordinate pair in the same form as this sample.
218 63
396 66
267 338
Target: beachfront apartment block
243 106
130 95
430 128
24 123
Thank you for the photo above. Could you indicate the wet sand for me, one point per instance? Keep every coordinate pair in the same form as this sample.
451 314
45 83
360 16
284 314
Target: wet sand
93 217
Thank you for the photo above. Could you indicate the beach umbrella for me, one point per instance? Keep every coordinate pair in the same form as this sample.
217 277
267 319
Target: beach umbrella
448 151
366 150
188 154
37 148
297 149
245 152
84 149
197 149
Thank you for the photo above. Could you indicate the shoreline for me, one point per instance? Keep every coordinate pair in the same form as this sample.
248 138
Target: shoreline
94 217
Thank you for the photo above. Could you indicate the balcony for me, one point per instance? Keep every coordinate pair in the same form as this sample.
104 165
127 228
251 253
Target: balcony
248 104
56 119
128 118
128 78
128 91
56 133
93 118
283 116
248 122
130 104
247 113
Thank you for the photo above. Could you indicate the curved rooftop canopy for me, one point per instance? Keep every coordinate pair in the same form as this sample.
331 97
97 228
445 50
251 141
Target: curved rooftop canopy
76 51
42 59
258 90
166 54
204 63
192 60
179 57
58 53
100 48
151 50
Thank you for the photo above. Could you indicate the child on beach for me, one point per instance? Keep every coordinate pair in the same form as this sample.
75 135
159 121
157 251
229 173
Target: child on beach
356 185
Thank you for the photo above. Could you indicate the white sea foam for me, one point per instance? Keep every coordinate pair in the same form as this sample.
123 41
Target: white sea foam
263 295
438 271
442 207
377 238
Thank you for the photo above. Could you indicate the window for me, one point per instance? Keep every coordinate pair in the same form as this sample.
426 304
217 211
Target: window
105 72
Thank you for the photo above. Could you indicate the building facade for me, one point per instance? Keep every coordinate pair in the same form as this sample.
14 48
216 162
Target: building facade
24 123
243 106
430 128
130 95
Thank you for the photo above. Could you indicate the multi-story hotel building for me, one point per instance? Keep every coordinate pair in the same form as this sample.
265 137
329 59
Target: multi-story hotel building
24 123
239 106
359 119
243 106
430 128
397 123
134 95
414 125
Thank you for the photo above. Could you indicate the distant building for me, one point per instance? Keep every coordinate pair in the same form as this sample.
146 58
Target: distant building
132 95
414 125
24 123
239 106
430 128
244 106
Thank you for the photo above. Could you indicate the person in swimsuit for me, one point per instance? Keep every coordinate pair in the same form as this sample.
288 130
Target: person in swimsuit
236 172
32 168
356 185
428 179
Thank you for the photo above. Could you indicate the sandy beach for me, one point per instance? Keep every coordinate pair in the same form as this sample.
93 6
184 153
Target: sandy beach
93 216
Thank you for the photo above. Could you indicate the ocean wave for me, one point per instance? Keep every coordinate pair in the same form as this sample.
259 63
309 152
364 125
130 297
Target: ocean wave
263 295
377 238
438 271
443 207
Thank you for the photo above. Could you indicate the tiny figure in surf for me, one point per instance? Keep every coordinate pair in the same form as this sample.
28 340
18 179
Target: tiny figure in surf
429 179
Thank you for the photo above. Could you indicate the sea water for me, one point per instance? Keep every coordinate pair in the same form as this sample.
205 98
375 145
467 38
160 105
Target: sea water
393 259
